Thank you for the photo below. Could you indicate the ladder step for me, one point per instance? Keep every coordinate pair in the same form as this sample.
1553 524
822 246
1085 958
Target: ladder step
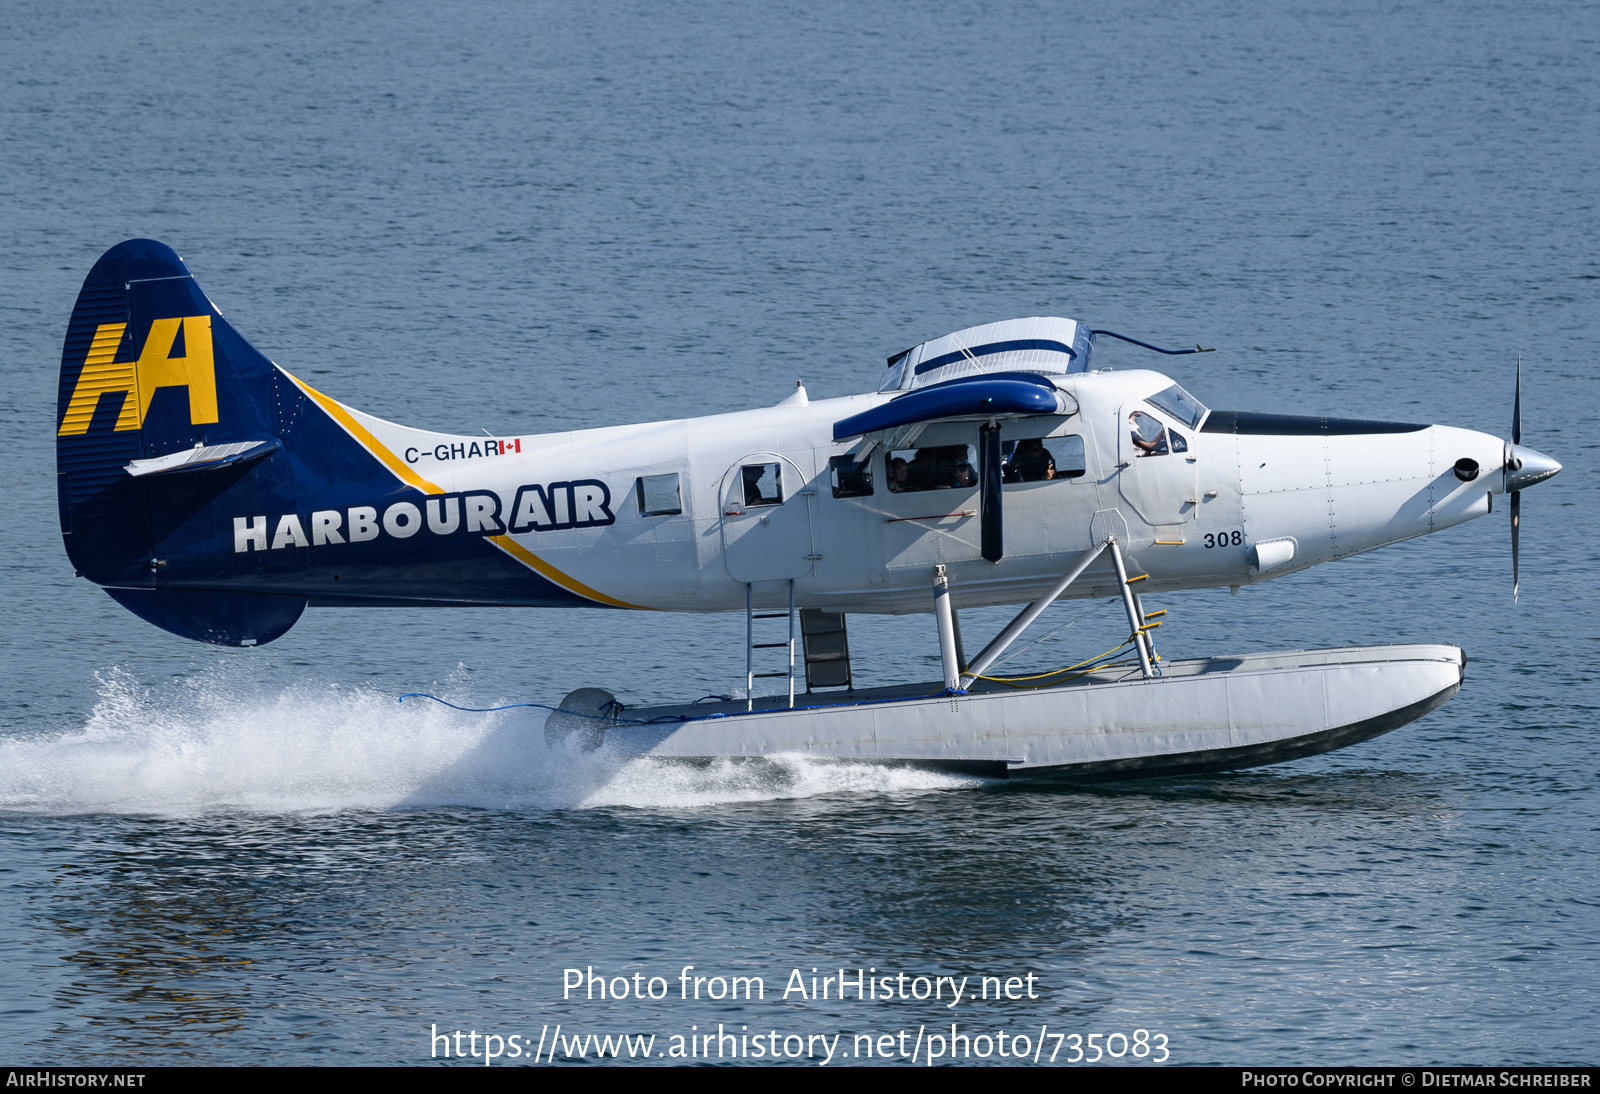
770 646
770 615
760 674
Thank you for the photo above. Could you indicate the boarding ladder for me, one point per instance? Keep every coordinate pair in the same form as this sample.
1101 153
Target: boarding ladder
751 645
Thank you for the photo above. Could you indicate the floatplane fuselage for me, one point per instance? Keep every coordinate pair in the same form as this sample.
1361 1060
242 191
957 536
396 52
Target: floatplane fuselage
216 495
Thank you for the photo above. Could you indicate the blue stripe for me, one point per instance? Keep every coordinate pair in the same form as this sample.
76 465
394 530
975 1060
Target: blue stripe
996 347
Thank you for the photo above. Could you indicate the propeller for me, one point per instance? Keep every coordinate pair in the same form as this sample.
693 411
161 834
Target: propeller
1523 468
1516 498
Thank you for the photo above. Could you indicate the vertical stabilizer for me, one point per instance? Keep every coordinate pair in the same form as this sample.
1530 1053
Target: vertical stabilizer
150 368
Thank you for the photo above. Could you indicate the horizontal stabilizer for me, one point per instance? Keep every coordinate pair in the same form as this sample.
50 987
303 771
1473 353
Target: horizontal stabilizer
204 458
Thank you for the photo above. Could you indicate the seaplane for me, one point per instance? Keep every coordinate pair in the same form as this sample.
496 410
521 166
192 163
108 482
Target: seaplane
216 495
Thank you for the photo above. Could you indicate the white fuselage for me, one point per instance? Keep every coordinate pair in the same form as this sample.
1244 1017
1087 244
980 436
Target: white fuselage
1187 519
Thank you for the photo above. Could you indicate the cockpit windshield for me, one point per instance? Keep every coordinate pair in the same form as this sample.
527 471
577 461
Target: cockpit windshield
1180 404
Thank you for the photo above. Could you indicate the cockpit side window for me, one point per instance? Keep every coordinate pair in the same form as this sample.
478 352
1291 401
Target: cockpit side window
1149 436
1180 404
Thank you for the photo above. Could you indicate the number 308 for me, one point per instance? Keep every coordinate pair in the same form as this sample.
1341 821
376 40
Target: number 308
1224 539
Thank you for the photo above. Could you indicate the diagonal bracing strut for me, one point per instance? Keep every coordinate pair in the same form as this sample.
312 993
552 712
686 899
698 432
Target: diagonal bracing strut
1025 618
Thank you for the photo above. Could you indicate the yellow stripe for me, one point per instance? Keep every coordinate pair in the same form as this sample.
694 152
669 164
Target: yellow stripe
368 441
528 558
407 475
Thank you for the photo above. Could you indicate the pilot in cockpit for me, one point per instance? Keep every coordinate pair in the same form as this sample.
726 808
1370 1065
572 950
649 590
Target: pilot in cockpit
1139 425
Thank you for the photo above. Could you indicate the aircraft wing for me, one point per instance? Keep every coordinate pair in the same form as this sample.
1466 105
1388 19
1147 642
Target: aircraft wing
996 396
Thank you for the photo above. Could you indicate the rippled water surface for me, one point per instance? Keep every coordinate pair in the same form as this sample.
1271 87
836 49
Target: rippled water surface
523 217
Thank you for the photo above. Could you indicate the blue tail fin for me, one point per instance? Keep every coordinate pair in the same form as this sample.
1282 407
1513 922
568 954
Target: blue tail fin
189 468
150 369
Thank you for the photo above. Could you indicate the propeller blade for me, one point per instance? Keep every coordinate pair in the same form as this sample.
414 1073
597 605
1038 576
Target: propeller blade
1516 498
1516 522
1516 407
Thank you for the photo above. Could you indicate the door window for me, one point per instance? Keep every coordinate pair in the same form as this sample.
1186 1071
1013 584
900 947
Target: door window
763 484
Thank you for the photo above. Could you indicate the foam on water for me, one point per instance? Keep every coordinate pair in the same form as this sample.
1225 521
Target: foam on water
646 783
216 744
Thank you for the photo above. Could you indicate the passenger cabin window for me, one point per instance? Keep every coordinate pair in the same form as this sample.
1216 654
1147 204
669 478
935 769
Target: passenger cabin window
763 484
1043 460
943 467
851 478
659 495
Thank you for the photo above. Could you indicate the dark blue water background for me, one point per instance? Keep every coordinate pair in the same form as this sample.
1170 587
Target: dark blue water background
526 217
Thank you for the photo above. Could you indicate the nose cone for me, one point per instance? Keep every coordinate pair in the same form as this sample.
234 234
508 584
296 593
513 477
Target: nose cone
1524 467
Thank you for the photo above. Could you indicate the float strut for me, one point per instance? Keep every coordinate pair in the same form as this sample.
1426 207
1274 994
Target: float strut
1004 639
1141 640
1149 639
947 630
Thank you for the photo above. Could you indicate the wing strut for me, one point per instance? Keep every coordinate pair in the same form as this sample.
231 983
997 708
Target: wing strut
1141 637
1003 640
949 652
990 479
1025 618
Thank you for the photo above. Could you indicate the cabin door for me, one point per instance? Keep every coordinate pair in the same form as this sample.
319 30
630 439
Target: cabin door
1157 472
766 518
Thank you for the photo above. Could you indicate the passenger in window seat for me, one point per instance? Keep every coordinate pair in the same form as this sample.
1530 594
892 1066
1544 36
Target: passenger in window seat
1032 462
897 475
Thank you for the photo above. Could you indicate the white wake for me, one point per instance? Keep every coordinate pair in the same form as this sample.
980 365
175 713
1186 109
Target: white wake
216 744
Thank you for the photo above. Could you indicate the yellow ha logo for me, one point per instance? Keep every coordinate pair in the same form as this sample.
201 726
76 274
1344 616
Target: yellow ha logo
155 368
